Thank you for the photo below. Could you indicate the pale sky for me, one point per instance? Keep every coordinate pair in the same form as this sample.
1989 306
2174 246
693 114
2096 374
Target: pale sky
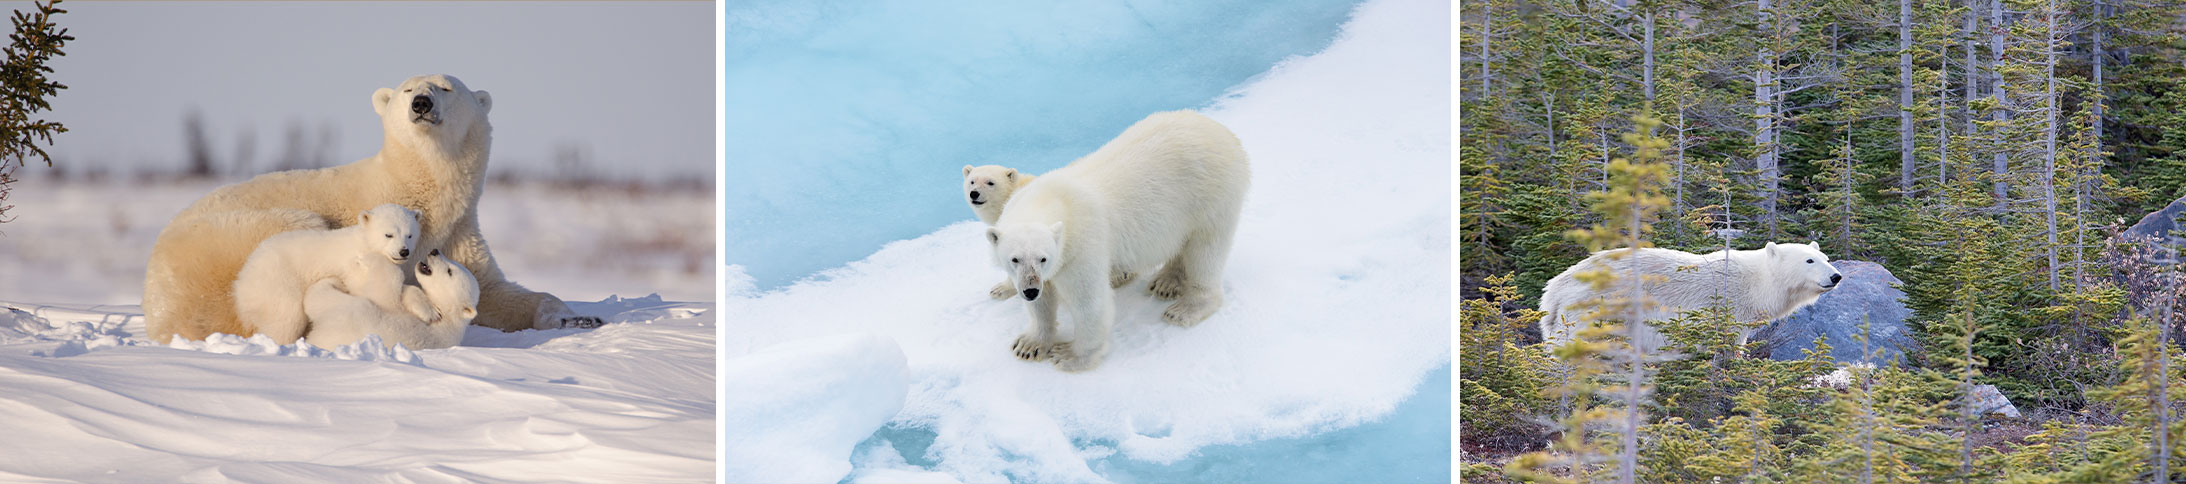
631 82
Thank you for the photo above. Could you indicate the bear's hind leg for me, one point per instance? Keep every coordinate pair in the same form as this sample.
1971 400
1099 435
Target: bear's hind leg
1169 282
1200 265
1118 276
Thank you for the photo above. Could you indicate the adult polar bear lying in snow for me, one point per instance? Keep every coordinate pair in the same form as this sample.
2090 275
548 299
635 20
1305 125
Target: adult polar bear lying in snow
1759 285
1166 192
433 159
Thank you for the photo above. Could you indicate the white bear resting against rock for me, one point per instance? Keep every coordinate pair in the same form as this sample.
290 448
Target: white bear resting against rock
433 315
987 189
269 289
1759 285
1166 192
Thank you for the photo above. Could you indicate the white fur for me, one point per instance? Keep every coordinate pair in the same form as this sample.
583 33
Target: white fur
269 289
1166 192
433 313
987 189
1758 285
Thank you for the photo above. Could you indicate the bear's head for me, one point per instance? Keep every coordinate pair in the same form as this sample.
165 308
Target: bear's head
1030 252
451 287
989 185
390 230
433 114
1807 262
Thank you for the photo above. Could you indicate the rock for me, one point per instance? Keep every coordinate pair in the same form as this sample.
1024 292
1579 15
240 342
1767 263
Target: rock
1987 400
1867 290
2161 228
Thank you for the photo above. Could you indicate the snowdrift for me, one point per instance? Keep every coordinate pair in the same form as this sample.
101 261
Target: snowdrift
1338 299
85 398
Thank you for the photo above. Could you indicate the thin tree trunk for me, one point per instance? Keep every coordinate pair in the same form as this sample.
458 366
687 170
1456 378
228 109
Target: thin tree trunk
1905 96
1764 116
1487 38
1999 163
2049 149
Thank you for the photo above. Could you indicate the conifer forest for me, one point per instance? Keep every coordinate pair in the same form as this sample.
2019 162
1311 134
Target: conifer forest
1997 181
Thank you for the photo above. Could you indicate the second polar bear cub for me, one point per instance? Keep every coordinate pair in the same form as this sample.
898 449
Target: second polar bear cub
434 314
1758 285
269 288
1166 192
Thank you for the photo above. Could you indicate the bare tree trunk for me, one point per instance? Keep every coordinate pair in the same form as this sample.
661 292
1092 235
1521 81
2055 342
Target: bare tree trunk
1677 226
1487 38
1905 96
2050 44
1647 48
1764 115
1999 163
2162 405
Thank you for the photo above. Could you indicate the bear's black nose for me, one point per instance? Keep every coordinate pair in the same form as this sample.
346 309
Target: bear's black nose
1032 293
1833 278
405 253
424 268
421 105
975 196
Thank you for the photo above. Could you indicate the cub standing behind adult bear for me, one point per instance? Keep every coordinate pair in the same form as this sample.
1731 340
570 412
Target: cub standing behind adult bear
433 159
987 189
269 288
1165 192
1759 285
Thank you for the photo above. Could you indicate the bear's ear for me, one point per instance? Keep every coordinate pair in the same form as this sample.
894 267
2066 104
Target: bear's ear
1771 247
364 217
993 236
1057 230
1012 174
485 101
379 100
1816 243
967 170
470 312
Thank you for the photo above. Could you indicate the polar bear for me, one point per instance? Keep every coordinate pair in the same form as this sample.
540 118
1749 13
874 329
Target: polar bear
1759 285
433 159
1166 192
269 288
434 314
987 188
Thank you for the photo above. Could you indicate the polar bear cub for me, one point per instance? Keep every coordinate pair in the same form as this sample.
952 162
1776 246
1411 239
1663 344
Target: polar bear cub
987 189
1758 285
269 289
1166 192
433 314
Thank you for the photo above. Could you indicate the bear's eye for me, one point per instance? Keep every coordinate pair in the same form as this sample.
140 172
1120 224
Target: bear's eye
1810 261
1013 260
408 90
1043 260
393 236
990 184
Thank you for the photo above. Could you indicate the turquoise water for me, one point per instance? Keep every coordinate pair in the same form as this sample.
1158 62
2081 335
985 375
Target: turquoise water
848 123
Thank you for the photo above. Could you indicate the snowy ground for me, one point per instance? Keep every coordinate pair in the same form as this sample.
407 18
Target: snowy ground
83 397
1337 314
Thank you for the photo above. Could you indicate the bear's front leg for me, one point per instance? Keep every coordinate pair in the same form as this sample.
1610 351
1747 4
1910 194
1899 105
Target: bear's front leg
1038 342
1002 290
1092 311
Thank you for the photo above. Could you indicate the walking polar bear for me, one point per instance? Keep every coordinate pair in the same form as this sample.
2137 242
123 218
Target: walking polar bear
433 159
1759 285
1165 192
367 257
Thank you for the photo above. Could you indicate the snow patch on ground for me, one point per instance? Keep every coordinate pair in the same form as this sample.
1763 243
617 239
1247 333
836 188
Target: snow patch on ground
86 398
806 403
1338 291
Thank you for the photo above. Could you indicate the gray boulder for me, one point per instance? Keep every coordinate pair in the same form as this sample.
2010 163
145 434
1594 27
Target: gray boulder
1987 400
2159 229
1867 290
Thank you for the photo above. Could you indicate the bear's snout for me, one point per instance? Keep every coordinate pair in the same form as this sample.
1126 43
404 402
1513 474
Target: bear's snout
421 104
1032 293
1833 278
424 268
405 253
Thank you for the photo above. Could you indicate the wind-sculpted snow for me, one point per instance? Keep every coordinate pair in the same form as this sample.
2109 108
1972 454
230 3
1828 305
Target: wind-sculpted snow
1338 298
85 398
804 404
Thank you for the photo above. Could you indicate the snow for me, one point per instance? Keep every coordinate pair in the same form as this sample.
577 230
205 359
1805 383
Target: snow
835 108
87 399
1337 310
808 403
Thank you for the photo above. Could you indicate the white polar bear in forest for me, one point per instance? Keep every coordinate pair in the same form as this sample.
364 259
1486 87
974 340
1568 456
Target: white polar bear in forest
433 315
1758 285
269 288
433 159
987 189
1166 192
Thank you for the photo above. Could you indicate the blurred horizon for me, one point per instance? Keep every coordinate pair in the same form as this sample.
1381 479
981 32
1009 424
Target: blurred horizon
614 92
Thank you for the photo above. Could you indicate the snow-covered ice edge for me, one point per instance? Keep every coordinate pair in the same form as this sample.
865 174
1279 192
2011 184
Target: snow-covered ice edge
1338 292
